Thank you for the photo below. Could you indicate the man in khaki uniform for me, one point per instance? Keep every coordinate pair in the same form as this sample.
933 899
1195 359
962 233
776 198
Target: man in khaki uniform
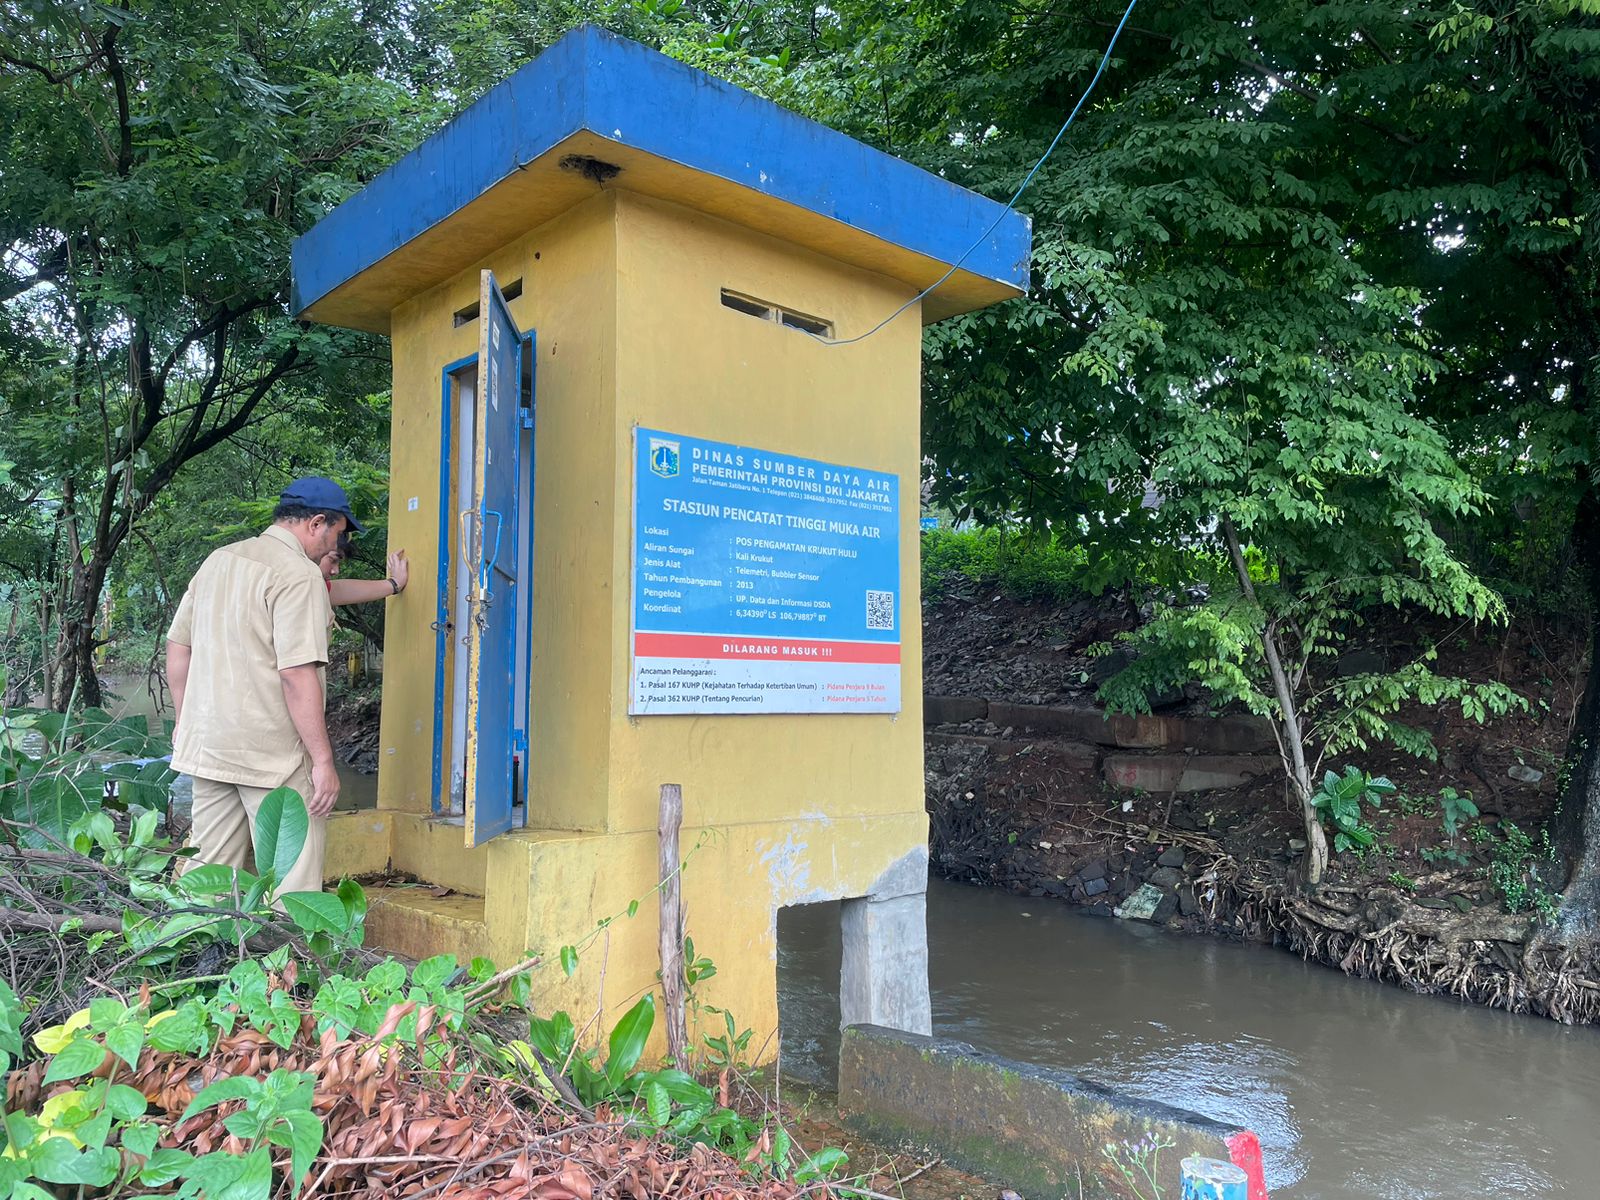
246 658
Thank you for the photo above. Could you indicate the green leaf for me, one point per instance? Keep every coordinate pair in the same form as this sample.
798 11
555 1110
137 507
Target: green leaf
20 1130
56 1160
94 1132
164 1167
431 974
140 1139
185 1030
821 1164
281 826
315 912
554 1037
233 1087
125 1104
259 887
657 1104
682 1087
53 803
79 1058
11 1017
386 977
569 960
214 879
245 1124
105 1012
254 1181
126 1041
354 898
305 1142
628 1039
222 1176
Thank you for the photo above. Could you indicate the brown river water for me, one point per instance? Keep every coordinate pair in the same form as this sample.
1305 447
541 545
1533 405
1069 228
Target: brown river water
1357 1090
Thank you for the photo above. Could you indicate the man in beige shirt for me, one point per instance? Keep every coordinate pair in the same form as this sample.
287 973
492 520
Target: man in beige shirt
246 657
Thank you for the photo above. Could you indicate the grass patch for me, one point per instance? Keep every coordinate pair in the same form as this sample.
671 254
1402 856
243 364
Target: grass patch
1050 567
1028 567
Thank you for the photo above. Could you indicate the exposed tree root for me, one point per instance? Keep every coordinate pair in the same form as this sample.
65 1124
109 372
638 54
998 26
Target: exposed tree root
1489 958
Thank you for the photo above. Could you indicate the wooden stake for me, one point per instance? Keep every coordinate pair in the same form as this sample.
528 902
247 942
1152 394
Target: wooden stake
672 980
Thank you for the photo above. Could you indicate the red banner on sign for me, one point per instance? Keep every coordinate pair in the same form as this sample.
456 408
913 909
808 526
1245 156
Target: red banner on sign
703 646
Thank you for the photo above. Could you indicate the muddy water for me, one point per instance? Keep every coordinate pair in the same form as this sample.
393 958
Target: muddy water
129 697
1357 1090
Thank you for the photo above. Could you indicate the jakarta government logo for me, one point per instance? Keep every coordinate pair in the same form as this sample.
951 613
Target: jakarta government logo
663 457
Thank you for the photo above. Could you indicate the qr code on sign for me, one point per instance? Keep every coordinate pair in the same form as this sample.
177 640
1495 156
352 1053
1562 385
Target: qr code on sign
880 610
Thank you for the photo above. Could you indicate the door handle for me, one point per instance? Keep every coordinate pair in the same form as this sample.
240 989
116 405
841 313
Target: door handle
499 524
469 553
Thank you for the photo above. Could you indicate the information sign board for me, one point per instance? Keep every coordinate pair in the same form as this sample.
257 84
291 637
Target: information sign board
762 582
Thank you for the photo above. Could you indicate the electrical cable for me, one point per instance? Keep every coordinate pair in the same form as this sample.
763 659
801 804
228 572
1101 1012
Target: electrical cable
1010 204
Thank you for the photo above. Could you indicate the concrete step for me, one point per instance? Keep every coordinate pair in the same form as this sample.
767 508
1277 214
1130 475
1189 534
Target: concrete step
414 922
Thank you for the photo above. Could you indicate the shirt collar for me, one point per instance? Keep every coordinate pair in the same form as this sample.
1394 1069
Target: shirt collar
279 534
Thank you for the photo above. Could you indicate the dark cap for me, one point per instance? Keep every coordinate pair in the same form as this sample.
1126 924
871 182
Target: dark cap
317 491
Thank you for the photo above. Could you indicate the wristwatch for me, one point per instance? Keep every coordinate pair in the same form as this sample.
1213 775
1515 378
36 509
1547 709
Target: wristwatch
395 586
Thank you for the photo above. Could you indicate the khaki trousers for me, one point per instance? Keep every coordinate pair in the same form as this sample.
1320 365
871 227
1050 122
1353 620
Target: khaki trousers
224 830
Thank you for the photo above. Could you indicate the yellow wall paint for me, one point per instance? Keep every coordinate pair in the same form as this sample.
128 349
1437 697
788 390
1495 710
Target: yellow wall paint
625 295
696 367
358 844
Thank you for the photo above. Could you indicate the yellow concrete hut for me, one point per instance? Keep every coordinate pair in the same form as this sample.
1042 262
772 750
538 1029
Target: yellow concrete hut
662 514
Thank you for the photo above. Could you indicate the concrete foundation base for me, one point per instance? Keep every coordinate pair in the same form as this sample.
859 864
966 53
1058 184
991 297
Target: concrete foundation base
535 891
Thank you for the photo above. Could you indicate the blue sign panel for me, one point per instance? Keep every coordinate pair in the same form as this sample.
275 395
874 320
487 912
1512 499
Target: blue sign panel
762 582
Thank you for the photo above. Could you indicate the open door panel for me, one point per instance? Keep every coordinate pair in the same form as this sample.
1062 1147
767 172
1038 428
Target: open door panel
492 540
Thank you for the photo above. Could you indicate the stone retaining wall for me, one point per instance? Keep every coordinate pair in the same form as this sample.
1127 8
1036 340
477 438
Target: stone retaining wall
1185 754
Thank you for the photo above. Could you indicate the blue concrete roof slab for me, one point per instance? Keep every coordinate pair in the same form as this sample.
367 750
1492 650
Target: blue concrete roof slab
495 172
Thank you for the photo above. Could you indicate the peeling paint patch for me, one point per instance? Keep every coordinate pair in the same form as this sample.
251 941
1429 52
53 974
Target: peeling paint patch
788 868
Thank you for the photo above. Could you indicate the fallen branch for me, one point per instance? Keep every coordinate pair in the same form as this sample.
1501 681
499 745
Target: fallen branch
51 923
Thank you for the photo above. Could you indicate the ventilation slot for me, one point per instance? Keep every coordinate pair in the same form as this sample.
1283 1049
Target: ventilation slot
749 307
766 311
805 324
469 314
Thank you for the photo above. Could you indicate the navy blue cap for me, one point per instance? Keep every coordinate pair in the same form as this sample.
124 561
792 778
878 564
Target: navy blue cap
317 491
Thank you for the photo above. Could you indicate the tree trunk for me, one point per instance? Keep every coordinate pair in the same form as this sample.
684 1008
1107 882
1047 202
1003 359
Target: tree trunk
1575 826
46 660
1291 741
1299 773
79 682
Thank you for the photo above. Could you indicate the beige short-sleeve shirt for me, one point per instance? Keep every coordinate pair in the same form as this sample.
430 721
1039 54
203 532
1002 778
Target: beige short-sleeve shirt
253 609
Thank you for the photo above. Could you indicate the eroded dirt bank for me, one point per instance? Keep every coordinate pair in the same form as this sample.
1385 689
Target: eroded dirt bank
1032 791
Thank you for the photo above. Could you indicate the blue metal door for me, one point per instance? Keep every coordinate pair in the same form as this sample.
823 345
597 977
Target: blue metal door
492 544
